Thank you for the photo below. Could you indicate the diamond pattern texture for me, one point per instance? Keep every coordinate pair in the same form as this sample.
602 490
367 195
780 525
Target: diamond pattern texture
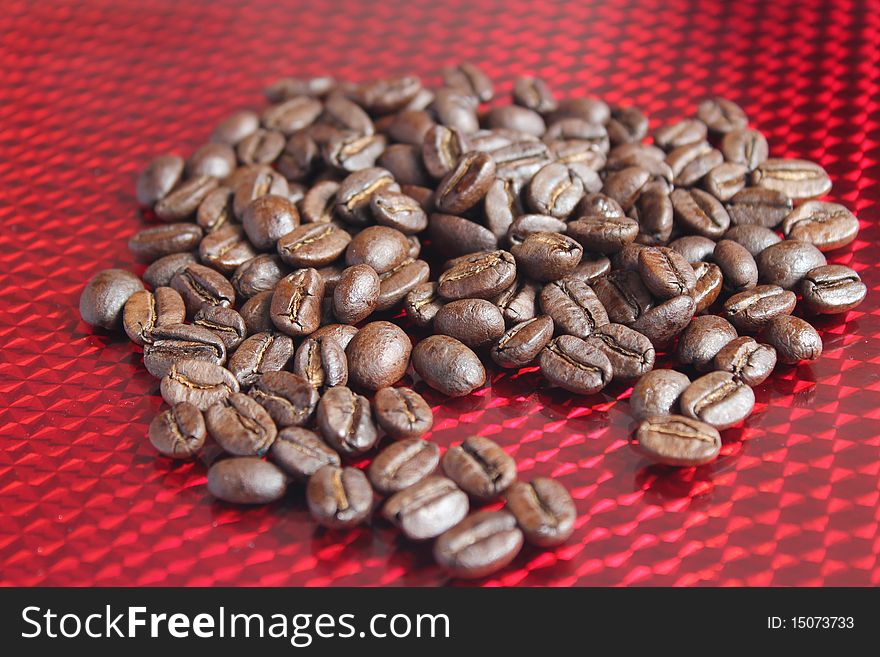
90 91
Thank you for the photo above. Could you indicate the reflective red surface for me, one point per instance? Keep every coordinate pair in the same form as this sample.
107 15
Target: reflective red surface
90 91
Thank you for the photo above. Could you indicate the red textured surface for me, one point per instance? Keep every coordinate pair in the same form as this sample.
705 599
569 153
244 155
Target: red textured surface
90 91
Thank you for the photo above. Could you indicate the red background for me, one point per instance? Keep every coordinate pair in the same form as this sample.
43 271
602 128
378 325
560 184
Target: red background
90 91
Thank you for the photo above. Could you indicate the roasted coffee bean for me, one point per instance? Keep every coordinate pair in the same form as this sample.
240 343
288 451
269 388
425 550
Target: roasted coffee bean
225 323
182 202
356 294
529 224
240 425
478 276
718 399
256 313
339 497
579 151
827 226
678 440
666 273
402 412
404 162
341 333
398 211
410 127
345 422
785 264
226 249
623 295
160 273
153 243
291 115
592 267
599 205
378 355
479 545
547 256
105 295
745 146
737 265
427 508
213 159
331 275
352 151
514 117
543 510
198 382
664 321
202 286
758 206
752 309
793 338
380 247
592 110
454 236
158 178
262 180
236 127
403 464
517 303
296 302
475 322
625 185
261 147
575 365
387 95
725 180
258 354
693 248
722 115
178 432
827 290
215 210
259 274
469 80
442 148
146 310
690 163
641 155
573 306
654 213
395 284
631 354
422 303
321 362
301 453
342 113
172 343
288 398
246 480
627 125
558 188
797 179
318 203
752 237
686 131
657 393
480 467
313 245
447 365
354 193
708 287
534 94
699 212
287 88
703 338
522 343
595 135
748 360
603 234
466 184
267 219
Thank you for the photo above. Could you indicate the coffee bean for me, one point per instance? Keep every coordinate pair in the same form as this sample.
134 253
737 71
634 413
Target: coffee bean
146 310
226 249
404 464
722 115
580 151
699 212
466 184
447 365
387 94
514 117
591 268
158 178
828 290
398 211
442 149
480 467
259 274
345 422
639 155
356 294
753 238
296 302
105 295
479 545
344 114
396 283
246 480
748 360
534 94
172 343
678 441
690 163
703 338
470 80
758 206
258 354
198 382
708 287
543 510
240 425
215 210
213 159
260 181
827 226
737 265
529 224
665 321
287 88
625 185
785 264
573 306
627 125
261 147
153 243
718 399
517 302
797 179
267 219
693 248
454 236
793 338
592 110
654 213
339 497
380 247
623 295
557 188
603 234
300 453
422 304
427 509
410 127
686 131
354 194
318 203
752 309
340 333
201 287
725 180
657 393
182 202
402 412
291 115
745 146
256 313
478 276
321 362
178 432
225 323
575 365
630 353
288 398
236 127
520 160
547 256
666 273
522 343
313 245
160 273
475 322
378 355
352 151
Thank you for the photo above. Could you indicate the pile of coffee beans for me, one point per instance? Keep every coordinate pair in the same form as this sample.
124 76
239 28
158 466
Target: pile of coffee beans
554 234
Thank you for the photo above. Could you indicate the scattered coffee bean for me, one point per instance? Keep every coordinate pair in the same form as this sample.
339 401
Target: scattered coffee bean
448 365
737 266
479 545
827 226
662 323
748 360
288 398
402 412
240 425
345 422
709 283
746 147
722 115
403 464
378 355
246 480
152 243
793 338
321 362
699 212
575 365
758 206
146 310
752 237
830 289
475 322
427 508
160 273
693 248
172 343
666 273
158 179
296 302
227 324
301 453
623 295
703 338
657 393
797 179
202 287
356 294
677 440
200 383
339 497
543 510
478 276
718 399
480 467
522 343
183 201
630 353
178 432
785 264
258 354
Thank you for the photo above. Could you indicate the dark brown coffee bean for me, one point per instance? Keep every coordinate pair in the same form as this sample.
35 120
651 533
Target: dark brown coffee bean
256 313
344 114
351 151
398 211
529 224
378 355
341 333
718 399
657 393
478 276
534 94
592 267
631 354
226 249
514 117
703 338
447 365
410 127
354 194
686 131
573 306
288 398
422 303
442 149
380 247
454 236
693 248
198 382
575 365
520 160
479 545
158 178
261 147
517 302
287 88
709 284
402 412
589 109
603 234
182 202
793 338
666 273
827 226
291 115
145 310
543 510
236 127
641 155
301 453
215 160
321 362
246 480
745 146
225 323
753 238
480 467
356 294
758 206
466 184
578 151
690 163
313 245
625 185
105 295
627 125
427 508
737 265
749 361
178 432
202 286
725 180
260 181
404 162
160 273
387 94
345 422
469 80
259 354
547 256
296 302
259 274
331 275
269 218
395 284
699 212
664 321
475 322
522 343
654 213
557 188
339 497
318 203
722 115
678 441
785 264
215 210
623 295
752 309
240 425
404 464
153 243
169 344
797 179
826 290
